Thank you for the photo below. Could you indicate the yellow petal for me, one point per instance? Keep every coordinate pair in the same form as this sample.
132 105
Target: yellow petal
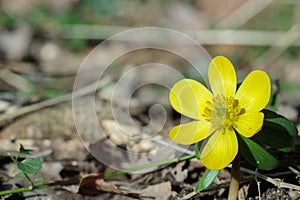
222 77
254 93
220 149
191 132
189 97
249 123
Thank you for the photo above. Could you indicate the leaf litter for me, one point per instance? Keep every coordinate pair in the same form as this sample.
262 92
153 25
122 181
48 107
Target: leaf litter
51 132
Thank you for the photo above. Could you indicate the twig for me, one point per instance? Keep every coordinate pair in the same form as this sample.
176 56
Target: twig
244 13
276 182
150 165
107 175
52 102
205 37
214 187
43 186
294 170
258 185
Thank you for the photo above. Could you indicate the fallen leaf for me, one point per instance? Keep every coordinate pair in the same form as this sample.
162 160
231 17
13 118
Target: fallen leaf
178 172
94 184
243 192
158 191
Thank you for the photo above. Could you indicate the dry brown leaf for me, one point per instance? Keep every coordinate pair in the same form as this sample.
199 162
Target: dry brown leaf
94 184
158 191
179 174
243 192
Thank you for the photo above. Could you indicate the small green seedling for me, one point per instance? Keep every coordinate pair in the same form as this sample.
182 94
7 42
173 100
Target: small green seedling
27 166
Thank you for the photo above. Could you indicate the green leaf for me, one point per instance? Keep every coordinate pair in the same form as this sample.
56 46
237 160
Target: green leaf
207 179
256 155
20 175
24 151
51 93
280 120
275 136
30 165
277 132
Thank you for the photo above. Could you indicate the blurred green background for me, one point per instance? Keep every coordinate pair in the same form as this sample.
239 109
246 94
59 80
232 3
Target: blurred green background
253 34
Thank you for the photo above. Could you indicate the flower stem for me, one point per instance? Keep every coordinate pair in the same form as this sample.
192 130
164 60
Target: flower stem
235 178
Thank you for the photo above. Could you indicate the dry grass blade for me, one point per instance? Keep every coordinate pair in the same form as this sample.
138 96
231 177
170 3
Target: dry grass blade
15 80
205 37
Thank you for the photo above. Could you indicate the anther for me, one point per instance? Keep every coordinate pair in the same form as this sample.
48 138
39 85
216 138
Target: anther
237 110
208 102
230 100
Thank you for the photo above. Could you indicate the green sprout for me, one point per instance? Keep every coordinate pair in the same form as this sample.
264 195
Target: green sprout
27 166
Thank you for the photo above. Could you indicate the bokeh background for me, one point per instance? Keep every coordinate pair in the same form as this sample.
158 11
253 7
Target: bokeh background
55 36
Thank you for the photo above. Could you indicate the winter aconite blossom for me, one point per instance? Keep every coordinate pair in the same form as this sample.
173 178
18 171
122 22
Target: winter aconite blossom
221 114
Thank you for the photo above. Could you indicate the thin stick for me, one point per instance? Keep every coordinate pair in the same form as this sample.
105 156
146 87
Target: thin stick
244 13
107 175
205 37
274 181
43 186
258 185
277 182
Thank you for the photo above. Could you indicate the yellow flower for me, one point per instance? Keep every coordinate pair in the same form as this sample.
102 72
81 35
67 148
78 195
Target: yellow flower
222 113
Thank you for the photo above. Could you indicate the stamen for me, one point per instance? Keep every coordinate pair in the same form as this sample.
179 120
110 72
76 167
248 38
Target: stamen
222 112
237 110
231 100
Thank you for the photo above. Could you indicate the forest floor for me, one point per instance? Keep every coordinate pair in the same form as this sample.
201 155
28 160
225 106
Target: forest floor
42 47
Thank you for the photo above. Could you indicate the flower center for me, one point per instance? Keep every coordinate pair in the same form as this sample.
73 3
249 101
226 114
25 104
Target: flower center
222 112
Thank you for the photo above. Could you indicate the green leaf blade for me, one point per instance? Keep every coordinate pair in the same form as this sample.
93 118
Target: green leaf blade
30 165
207 179
280 120
39 180
277 132
20 175
24 151
275 136
256 155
